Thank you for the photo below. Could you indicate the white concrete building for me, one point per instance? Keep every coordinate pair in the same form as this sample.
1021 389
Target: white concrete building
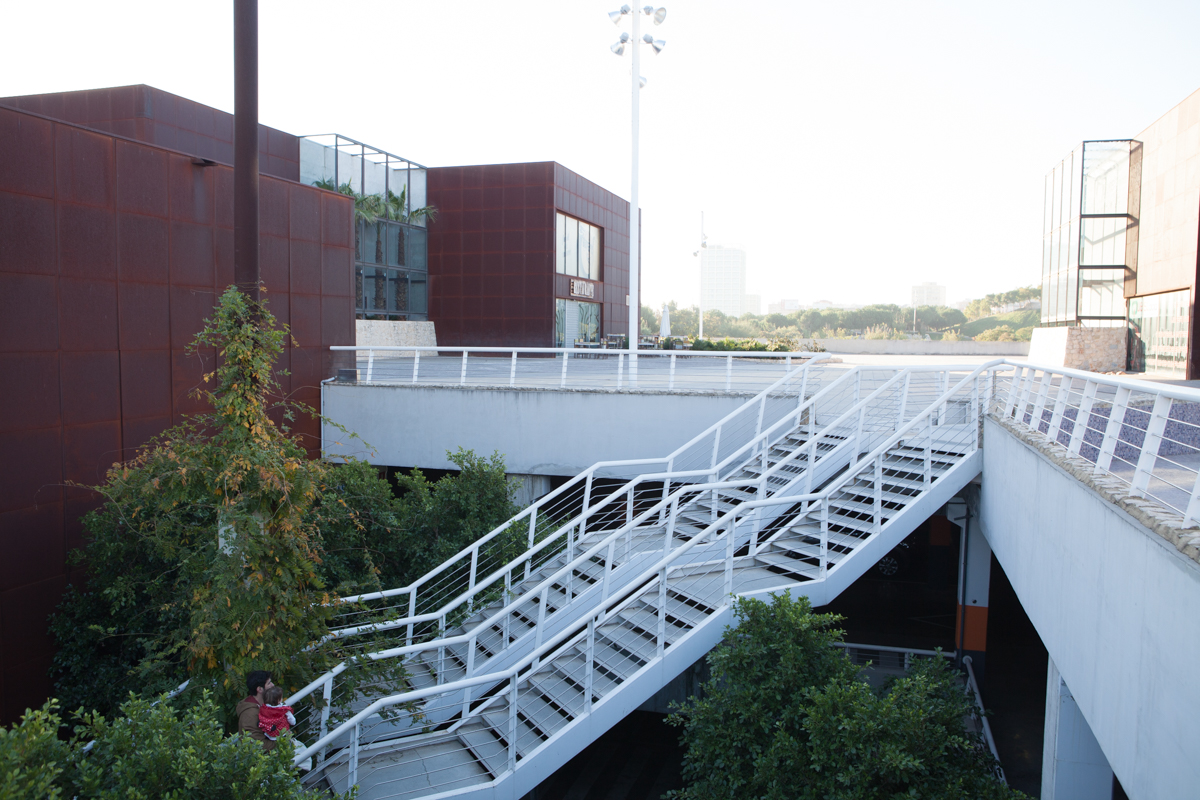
723 279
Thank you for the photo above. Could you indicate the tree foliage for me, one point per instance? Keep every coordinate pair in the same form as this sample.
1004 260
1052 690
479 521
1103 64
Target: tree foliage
150 751
785 715
222 548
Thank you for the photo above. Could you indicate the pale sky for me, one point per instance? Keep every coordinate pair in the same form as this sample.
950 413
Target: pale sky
854 148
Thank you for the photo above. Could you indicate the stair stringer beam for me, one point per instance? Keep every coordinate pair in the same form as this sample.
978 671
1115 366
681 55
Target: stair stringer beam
642 685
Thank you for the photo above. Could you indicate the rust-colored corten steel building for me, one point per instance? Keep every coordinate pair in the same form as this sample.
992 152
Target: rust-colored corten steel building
530 255
116 236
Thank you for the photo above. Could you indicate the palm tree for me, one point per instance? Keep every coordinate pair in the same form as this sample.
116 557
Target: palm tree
397 208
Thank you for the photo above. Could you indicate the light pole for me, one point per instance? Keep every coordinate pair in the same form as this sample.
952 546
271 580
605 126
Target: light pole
703 244
636 82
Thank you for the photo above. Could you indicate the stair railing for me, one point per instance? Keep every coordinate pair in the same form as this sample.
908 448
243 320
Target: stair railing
537 596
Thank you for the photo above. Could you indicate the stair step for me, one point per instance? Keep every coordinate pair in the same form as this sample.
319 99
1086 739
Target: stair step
489 747
792 566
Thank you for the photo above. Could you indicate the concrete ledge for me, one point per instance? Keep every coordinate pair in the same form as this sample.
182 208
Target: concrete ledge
1158 519
913 347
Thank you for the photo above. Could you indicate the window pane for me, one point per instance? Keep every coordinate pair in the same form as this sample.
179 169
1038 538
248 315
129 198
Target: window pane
417 249
1101 293
560 322
1158 333
372 243
1105 177
597 252
560 238
571 247
1103 242
585 249
358 288
400 292
396 255
418 293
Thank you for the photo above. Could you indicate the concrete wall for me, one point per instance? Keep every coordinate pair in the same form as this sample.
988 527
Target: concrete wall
537 432
382 333
1115 605
1092 349
923 348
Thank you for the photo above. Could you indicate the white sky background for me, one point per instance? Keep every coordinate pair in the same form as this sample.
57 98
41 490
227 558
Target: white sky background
854 148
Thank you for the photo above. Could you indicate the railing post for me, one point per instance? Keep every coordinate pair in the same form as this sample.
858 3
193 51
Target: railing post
352 776
532 535
608 568
1039 405
903 400
590 665
729 550
1083 416
762 407
1023 402
327 694
571 539
1112 431
671 378
462 376
878 493
416 364
441 669
669 530
1150 444
370 364
472 644
541 623
824 538
927 467
620 368
662 611
512 722
976 400
412 612
508 614
1014 387
1060 404
471 579
716 445
562 383
512 370
728 373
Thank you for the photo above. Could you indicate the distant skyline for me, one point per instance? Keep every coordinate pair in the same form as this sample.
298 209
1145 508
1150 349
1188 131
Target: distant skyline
854 150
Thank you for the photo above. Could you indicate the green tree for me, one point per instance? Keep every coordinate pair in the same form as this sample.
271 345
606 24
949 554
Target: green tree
150 750
203 562
785 715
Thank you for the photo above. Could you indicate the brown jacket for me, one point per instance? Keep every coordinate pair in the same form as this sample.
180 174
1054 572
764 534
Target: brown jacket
247 717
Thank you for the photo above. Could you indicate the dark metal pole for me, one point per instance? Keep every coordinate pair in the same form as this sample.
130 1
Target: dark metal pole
245 147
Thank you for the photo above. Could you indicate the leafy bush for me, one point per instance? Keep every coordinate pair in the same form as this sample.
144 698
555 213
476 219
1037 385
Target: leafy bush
731 345
150 751
785 715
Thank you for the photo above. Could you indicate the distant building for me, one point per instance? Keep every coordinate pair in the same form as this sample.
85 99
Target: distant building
752 304
783 307
723 279
929 294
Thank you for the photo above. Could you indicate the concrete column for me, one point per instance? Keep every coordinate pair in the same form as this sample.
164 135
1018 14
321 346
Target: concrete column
974 580
1073 765
529 488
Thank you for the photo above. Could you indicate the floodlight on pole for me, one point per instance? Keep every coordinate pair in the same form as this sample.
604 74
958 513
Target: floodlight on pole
636 84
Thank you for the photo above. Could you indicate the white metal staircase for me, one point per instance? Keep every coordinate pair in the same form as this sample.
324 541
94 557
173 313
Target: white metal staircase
545 633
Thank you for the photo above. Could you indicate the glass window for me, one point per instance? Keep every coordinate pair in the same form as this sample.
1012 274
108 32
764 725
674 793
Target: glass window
560 236
571 248
1101 293
575 322
579 249
390 278
1103 242
1105 177
1158 333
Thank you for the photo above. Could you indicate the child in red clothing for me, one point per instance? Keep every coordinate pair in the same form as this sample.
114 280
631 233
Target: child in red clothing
274 718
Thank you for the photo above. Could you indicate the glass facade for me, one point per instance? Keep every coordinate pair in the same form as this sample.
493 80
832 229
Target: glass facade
391 271
1158 333
578 248
576 322
1085 243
